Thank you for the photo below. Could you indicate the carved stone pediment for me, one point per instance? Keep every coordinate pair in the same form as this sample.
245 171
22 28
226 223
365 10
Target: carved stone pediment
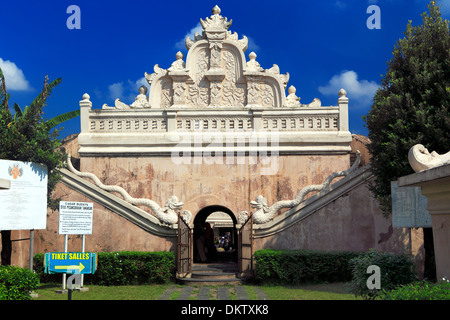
214 91
216 74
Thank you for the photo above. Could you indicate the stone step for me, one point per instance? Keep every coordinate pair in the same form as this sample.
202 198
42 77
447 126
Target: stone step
214 267
213 274
211 281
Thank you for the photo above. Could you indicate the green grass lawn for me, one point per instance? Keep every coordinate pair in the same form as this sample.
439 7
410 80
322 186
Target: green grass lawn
333 291
329 291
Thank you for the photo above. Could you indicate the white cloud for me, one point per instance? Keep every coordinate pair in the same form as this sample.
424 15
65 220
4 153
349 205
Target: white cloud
191 33
252 45
127 91
445 7
362 91
14 77
116 90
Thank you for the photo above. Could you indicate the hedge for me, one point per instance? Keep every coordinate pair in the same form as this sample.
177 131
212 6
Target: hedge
17 283
122 268
419 290
302 266
395 270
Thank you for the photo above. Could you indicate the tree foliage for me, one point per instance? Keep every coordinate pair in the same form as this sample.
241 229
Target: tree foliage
27 136
412 104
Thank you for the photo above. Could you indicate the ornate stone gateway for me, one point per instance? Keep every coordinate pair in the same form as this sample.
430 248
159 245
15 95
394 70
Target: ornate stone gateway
215 91
201 109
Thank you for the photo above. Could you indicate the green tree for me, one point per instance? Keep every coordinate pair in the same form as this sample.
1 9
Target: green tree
27 136
412 104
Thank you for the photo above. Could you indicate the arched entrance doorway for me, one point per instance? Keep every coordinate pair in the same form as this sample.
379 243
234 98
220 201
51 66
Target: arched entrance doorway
215 234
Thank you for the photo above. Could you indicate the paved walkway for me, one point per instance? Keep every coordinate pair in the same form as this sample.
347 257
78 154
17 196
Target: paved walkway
211 293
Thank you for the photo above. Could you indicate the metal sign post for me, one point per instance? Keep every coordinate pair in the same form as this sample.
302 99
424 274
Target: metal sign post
74 263
75 218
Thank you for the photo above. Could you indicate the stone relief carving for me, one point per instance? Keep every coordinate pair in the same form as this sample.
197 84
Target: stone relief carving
264 213
167 215
421 159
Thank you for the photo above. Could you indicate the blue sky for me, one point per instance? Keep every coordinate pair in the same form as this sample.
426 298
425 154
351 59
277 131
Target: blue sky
324 45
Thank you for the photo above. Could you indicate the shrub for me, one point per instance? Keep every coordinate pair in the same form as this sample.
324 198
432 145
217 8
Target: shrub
123 268
17 283
395 270
302 266
420 290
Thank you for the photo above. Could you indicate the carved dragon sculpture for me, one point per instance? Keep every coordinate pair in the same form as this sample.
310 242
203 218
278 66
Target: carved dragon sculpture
421 159
264 213
167 215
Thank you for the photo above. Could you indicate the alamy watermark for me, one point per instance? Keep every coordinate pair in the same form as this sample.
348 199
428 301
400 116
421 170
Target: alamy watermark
374 281
229 148
74 20
374 21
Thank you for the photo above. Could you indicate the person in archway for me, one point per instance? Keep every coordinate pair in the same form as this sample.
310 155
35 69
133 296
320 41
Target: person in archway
209 242
200 242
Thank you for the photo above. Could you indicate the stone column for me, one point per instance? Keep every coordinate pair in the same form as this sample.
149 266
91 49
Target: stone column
435 185
343 110
85 107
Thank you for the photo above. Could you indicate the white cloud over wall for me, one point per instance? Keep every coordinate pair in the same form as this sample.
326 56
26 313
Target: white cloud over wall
361 91
126 91
14 77
191 33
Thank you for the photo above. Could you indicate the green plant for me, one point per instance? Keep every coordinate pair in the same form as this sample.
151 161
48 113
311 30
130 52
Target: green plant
302 266
421 290
395 270
17 283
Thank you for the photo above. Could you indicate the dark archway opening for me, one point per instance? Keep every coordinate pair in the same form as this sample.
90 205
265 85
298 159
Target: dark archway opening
215 234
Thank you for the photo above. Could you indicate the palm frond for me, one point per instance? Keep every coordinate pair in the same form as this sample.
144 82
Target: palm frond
57 120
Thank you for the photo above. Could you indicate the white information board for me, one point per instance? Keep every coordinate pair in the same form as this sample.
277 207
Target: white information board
24 205
75 217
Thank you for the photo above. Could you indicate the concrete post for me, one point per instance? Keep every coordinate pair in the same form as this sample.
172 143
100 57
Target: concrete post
85 107
343 110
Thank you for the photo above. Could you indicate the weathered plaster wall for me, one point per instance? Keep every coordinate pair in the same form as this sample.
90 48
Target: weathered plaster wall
352 222
201 185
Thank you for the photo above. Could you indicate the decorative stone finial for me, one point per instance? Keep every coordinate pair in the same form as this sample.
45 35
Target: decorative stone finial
216 9
216 22
179 55
342 93
86 96
178 64
292 100
292 90
253 65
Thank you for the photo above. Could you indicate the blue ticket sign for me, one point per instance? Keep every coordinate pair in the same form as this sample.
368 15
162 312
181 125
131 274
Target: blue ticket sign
70 262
